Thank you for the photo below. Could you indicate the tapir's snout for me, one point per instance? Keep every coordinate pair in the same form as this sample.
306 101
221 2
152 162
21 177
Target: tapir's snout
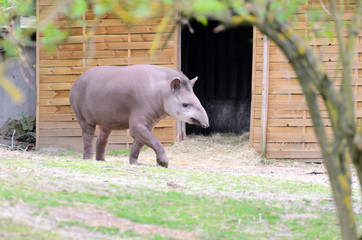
197 122
202 119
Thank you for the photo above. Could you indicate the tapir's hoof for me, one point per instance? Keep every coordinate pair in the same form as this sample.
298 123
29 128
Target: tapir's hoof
162 164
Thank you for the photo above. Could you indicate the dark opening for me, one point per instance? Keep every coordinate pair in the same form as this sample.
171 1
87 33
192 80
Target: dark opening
223 63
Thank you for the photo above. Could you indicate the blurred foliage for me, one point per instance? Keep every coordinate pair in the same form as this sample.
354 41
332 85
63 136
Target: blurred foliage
13 39
12 36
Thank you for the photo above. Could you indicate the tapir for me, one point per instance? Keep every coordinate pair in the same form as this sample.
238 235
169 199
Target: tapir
134 97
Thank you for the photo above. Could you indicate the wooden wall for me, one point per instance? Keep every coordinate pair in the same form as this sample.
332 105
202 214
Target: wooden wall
113 44
289 132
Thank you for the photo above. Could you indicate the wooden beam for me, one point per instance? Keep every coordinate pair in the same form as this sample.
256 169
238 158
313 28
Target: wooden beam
37 120
265 95
253 89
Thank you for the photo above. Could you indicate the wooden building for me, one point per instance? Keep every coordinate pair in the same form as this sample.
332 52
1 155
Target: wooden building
279 119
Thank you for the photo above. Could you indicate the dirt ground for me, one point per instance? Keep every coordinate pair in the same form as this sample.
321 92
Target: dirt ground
223 154
231 154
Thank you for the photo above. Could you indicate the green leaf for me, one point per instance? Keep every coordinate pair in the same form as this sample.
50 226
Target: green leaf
100 9
203 20
10 49
143 10
52 36
209 6
78 8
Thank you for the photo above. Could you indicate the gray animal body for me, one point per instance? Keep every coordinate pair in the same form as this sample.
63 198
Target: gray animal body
230 115
135 97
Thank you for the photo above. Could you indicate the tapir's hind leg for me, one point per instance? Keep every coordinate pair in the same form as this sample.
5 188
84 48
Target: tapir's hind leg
135 151
101 144
87 134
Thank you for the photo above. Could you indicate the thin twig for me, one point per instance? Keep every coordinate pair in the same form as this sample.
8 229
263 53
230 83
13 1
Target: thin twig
12 139
324 7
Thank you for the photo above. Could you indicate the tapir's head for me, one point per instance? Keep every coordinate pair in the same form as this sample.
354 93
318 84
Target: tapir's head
182 104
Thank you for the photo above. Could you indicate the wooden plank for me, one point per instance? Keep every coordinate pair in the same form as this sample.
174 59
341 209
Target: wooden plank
62 70
295 154
70 32
163 131
54 94
98 38
69 47
54 125
276 147
167 52
61 63
64 132
332 49
326 57
148 37
326 65
297 130
290 122
289 138
289 98
285 114
81 54
135 29
58 78
59 140
50 117
55 86
128 45
56 110
128 61
277 74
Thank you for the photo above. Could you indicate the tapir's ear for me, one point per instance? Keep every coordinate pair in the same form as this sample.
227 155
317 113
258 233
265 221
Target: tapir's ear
193 81
175 84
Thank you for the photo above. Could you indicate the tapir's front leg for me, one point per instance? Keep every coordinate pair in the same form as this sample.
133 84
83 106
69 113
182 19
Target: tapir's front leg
144 135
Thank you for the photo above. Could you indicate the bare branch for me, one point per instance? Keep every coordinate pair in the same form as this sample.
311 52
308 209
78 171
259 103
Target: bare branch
324 7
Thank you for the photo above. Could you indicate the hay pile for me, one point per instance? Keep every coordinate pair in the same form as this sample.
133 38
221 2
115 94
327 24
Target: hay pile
215 151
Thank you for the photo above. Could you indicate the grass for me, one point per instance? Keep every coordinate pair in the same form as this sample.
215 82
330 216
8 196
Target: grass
211 206
10 230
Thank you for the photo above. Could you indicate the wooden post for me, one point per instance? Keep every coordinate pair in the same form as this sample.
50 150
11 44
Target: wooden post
37 51
180 125
253 89
265 95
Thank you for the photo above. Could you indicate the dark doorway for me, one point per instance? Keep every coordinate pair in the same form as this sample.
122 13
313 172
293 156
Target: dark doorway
223 63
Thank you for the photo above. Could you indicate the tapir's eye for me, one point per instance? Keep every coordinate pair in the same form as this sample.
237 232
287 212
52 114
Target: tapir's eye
185 105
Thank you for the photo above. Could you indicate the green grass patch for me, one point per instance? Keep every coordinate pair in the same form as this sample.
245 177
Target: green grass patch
10 230
111 231
214 206
213 217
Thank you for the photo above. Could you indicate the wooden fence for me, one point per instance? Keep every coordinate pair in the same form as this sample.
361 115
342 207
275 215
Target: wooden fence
113 44
289 130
